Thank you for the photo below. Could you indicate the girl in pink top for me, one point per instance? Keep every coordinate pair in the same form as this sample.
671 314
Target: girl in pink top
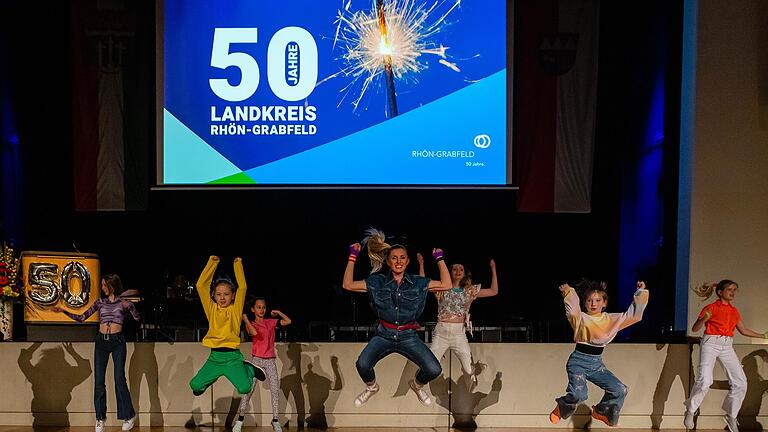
262 332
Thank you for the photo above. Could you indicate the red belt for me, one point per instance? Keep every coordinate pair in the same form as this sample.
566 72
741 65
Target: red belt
410 326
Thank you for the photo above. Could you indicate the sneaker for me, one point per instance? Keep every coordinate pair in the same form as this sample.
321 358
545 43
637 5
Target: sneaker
363 397
554 416
276 426
732 423
99 425
420 393
237 426
128 424
602 417
257 372
688 420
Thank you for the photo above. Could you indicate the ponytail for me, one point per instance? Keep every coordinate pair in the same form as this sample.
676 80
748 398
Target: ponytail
375 240
706 290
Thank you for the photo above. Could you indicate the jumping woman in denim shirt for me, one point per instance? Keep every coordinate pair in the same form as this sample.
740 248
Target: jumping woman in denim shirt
398 299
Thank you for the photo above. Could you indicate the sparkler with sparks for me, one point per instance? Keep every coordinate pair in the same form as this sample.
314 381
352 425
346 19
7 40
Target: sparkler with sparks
390 40
391 95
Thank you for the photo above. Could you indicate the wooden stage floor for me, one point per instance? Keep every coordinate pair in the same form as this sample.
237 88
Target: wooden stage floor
351 429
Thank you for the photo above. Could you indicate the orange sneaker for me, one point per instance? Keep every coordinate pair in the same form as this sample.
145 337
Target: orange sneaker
554 416
601 417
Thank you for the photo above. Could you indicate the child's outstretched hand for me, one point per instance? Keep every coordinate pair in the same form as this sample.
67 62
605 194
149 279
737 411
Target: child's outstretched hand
493 265
420 258
641 285
564 287
276 313
707 315
245 318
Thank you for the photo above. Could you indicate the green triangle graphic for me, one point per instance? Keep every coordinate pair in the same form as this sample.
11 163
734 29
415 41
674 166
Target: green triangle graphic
239 178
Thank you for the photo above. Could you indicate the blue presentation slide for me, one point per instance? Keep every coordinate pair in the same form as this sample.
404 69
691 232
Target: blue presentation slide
348 92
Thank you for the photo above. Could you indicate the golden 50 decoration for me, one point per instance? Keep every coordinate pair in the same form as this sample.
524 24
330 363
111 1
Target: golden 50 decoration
68 280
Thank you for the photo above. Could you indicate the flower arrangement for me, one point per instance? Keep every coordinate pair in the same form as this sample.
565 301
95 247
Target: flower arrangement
9 266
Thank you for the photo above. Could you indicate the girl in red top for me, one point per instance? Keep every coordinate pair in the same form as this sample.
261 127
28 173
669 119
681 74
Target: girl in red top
262 331
719 319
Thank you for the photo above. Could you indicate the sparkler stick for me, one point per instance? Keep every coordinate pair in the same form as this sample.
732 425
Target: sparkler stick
389 41
388 74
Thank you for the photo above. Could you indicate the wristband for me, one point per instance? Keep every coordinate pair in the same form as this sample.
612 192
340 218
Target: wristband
352 257
437 255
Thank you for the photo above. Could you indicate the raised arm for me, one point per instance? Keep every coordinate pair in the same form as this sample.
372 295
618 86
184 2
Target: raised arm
249 328
634 313
284 320
420 260
445 283
349 283
745 331
242 286
494 289
572 305
204 282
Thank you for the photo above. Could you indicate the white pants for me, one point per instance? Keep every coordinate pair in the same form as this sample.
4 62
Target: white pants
719 348
452 336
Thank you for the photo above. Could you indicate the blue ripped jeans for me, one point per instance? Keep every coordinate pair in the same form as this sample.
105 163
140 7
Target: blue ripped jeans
587 367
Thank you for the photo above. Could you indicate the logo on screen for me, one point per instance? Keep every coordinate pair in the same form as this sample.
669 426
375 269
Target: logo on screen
482 141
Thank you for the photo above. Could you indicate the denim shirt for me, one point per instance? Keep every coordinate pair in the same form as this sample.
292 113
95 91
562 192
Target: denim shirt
398 305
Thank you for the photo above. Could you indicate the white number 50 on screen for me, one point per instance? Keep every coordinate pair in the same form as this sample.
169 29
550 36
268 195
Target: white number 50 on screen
291 55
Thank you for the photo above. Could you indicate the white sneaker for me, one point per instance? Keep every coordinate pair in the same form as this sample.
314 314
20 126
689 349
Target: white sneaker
128 424
237 426
732 423
99 425
688 420
363 397
420 393
276 426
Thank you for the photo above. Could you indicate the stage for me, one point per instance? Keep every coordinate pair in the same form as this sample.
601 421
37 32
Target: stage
52 385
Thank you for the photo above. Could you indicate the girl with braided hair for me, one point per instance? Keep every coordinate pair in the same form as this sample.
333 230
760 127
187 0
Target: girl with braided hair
719 319
398 299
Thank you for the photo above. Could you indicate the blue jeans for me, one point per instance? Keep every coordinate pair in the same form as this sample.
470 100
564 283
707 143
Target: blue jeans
587 367
115 344
410 346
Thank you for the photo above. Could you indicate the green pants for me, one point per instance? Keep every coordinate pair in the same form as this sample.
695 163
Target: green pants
227 363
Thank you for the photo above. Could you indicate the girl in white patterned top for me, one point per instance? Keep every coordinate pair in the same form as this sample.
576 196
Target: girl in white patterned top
453 314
